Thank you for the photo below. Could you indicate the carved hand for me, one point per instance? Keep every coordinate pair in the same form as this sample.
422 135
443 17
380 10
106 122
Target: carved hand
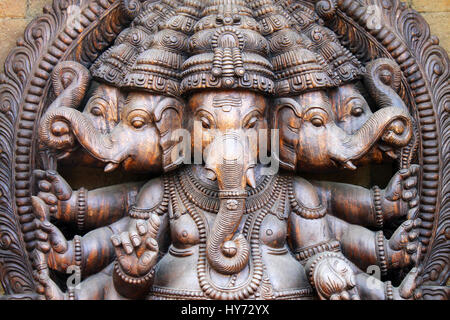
52 187
333 278
403 246
137 249
401 194
49 239
408 288
44 284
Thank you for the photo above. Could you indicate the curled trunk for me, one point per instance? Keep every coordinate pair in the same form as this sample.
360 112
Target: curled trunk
80 127
390 124
225 254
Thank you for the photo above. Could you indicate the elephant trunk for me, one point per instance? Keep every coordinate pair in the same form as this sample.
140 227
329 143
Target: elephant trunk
382 79
70 82
391 124
225 253
75 125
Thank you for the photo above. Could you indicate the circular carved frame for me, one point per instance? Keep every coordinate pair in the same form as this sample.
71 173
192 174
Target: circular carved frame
404 36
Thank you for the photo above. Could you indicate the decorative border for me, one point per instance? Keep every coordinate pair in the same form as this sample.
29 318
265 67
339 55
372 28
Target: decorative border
404 37
24 88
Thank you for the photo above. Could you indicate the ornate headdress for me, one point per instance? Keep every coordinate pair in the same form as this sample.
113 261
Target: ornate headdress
116 62
345 66
228 51
158 68
297 67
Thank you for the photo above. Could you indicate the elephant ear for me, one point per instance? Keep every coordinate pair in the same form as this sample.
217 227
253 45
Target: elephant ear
287 156
168 120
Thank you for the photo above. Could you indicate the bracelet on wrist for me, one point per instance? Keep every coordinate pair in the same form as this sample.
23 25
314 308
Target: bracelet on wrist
389 291
381 252
376 197
81 205
133 280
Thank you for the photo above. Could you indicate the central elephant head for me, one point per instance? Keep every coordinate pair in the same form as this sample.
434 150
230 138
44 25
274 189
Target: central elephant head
225 126
141 140
310 138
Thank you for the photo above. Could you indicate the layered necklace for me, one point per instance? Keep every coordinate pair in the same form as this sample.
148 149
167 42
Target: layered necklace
260 202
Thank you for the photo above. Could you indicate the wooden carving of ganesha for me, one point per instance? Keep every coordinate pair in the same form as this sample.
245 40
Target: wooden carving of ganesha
233 114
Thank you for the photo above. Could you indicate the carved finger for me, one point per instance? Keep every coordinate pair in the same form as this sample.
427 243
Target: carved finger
30 226
53 210
43 247
356 297
135 239
40 209
414 203
146 262
44 186
408 195
125 264
413 235
411 248
58 240
414 169
408 225
39 174
152 244
408 285
417 223
62 189
411 182
412 213
41 235
49 198
141 227
335 296
404 238
345 295
404 173
126 243
30 245
115 239
29 236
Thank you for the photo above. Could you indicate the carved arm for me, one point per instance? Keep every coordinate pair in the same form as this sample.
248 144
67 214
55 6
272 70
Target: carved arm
372 207
86 209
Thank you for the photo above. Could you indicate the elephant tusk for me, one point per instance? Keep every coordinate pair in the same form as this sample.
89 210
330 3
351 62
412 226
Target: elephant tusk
349 165
110 167
251 181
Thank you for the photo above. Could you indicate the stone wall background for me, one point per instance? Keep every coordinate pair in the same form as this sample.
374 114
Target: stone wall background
16 14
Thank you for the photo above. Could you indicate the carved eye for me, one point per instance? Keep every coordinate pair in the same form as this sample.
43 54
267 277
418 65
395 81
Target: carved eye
357 111
251 123
138 122
96 111
205 123
317 121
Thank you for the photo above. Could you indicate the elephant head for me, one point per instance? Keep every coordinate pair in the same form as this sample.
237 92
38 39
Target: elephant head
351 108
104 106
141 140
227 123
310 138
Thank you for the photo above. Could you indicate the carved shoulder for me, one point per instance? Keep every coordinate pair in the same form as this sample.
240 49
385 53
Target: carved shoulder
305 200
152 198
